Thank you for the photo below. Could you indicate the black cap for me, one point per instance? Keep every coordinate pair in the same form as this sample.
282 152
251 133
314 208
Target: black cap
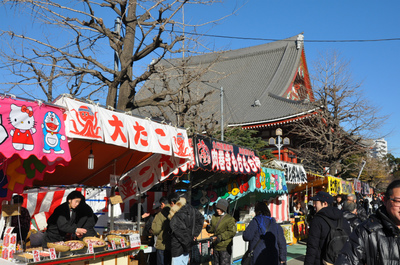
323 196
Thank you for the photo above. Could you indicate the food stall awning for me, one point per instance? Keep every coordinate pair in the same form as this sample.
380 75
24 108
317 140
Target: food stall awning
32 142
119 142
140 152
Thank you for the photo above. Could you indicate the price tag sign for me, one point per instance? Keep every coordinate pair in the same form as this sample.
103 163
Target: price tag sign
134 240
113 244
90 248
123 243
53 254
36 256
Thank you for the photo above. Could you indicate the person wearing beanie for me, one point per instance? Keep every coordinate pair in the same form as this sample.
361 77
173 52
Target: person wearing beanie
223 226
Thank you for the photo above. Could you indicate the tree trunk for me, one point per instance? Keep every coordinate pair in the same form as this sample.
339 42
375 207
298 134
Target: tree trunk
126 56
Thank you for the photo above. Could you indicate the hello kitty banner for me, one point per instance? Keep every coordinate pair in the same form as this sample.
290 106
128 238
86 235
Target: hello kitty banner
32 142
93 122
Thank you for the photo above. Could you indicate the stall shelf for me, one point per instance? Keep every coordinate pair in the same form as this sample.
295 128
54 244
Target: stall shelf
118 256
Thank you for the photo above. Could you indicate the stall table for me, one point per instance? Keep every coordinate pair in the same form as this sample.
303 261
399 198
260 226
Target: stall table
108 257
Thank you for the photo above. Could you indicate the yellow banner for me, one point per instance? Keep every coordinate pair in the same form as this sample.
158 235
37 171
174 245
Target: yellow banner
335 185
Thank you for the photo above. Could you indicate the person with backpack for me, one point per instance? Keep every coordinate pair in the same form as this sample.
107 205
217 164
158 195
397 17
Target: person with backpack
376 241
266 238
328 231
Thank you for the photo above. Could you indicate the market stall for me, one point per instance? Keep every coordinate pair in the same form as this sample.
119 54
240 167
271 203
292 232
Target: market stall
101 146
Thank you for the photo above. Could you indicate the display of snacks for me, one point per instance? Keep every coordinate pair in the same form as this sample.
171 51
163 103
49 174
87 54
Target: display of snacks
97 242
60 246
75 245
123 232
32 249
24 256
117 239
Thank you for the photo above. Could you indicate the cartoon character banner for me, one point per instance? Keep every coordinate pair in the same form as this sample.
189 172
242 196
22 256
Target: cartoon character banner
32 142
217 156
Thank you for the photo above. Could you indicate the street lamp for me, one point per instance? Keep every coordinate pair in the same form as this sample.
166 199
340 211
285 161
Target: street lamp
279 144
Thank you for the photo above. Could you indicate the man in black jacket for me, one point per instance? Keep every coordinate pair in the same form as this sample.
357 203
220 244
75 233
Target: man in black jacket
350 214
361 212
186 223
61 224
320 229
376 241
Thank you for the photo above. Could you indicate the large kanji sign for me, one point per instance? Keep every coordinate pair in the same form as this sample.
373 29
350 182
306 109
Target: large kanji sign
92 122
168 145
217 156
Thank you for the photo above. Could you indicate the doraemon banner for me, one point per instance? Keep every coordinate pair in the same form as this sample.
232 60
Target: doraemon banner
32 142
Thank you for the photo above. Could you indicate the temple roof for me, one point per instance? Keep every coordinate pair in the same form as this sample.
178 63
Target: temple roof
255 82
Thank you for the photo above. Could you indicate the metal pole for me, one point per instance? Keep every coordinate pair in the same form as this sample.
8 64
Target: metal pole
222 113
362 168
279 147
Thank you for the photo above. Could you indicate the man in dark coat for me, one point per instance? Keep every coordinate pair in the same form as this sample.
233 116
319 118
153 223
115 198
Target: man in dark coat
61 224
186 224
85 218
350 214
361 212
320 229
376 241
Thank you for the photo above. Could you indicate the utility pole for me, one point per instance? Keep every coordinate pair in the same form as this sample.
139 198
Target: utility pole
222 113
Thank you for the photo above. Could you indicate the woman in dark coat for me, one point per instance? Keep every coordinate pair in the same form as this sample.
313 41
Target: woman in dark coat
85 218
272 247
61 224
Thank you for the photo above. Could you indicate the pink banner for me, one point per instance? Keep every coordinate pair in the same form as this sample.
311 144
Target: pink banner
32 142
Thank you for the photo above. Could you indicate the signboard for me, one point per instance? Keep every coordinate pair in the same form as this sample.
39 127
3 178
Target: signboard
32 142
268 181
295 174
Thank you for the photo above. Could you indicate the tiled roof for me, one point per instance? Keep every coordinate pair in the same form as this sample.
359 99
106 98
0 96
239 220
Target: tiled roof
253 80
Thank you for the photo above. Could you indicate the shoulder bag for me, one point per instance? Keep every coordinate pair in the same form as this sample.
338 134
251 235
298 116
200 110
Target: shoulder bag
248 256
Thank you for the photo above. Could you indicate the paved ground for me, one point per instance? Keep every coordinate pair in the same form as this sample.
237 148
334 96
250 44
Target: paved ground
295 254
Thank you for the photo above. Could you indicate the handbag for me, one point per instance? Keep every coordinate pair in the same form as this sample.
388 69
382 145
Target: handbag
248 255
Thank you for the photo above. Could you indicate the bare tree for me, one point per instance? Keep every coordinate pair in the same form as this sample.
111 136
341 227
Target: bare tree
179 89
344 120
73 54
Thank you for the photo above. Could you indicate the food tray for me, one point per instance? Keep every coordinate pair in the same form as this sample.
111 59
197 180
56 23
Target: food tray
117 239
28 256
58 247
24 257
102 245
123 232
75 242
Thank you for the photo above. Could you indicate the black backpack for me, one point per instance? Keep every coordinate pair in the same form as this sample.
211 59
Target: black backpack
335 241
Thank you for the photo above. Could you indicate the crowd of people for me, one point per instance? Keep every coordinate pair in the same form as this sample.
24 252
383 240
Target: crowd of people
177 224
366 229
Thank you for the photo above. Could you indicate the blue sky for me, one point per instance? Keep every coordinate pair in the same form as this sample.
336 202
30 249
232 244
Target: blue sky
375 63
